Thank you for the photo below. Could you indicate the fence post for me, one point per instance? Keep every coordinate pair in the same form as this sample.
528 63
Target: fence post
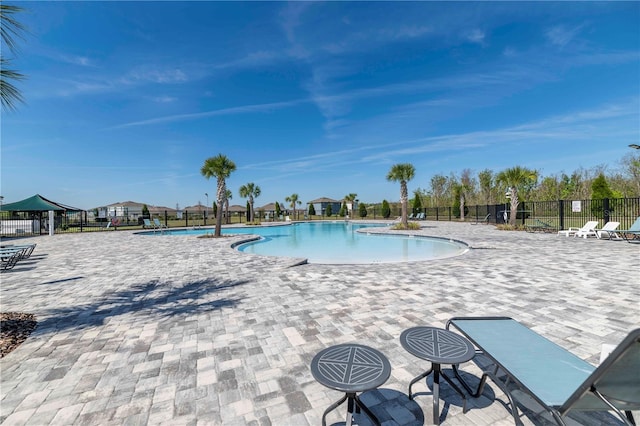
186 219
605 206
166 219
561 214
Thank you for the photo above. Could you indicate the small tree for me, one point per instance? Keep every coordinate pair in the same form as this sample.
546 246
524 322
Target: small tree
277 209
386 210
250 191
416 203
215 210
293 200
402 172
228 196
362 210
312 210
328 211
219 167
343 209
145 211
600 190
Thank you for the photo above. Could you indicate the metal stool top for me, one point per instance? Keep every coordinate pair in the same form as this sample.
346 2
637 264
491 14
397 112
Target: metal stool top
350 368
437 345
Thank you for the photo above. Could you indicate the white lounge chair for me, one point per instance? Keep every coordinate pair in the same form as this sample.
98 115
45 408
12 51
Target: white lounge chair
609 230
586 228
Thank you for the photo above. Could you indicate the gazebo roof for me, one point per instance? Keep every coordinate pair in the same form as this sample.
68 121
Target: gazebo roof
37 203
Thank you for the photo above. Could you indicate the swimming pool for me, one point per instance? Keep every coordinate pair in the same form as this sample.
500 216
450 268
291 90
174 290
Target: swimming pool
337 243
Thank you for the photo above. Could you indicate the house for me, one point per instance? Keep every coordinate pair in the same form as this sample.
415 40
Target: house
320 205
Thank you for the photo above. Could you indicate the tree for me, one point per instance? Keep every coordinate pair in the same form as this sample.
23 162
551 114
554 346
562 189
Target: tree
438 188
343 209
631 166
513 180
329 210
464 189
145 211
416 204
250 191
215 210
486 185
228 195
293 200
362 210
312 210
385 210
277 209
402 173
221 168
351 199
599 191
9 28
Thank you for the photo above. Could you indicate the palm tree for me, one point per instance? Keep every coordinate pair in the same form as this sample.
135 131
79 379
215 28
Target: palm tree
250 191
351 198
293 200
9 27
227 196
514 180
402 173
221 168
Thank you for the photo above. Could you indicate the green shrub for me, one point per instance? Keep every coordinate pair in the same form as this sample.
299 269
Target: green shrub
411 226
386 210
362 210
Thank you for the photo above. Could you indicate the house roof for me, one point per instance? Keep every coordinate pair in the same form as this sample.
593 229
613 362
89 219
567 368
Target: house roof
323 200
37 203
237 208
271 207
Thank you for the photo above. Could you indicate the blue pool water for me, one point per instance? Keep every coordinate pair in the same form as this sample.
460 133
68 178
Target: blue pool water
337 243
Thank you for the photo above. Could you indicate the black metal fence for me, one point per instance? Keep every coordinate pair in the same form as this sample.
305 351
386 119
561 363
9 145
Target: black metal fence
560 214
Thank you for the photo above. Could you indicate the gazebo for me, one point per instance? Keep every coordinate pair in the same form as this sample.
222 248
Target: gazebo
32 215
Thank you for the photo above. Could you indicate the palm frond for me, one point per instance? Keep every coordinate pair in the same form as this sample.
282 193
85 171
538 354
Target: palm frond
10 28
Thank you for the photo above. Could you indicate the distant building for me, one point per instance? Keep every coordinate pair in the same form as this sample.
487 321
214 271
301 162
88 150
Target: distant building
320 205
128 210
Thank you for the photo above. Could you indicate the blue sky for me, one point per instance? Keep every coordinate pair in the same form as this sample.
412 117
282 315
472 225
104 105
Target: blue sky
125 100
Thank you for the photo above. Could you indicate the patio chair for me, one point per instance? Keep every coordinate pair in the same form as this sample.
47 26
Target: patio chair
26 249
584 231
539 225
159 225
485 220
9 257
555 378
633 233
609 230
148 224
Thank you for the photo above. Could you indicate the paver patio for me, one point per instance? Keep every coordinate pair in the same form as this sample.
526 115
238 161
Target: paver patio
180 330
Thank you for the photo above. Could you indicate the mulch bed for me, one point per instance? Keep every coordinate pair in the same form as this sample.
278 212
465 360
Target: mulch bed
15 327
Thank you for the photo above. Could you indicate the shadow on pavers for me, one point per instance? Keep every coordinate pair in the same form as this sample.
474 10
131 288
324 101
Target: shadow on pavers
155 298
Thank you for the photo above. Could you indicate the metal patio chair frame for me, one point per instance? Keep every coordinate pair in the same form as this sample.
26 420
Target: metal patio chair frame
612 386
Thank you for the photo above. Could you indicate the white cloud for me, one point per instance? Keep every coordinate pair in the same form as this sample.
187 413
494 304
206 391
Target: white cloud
561 35
156 75
476 36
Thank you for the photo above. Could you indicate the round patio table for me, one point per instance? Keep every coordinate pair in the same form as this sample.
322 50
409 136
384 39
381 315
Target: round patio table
438 346
350 368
